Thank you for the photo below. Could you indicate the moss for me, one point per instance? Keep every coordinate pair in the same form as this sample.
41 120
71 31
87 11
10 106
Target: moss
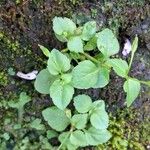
126 132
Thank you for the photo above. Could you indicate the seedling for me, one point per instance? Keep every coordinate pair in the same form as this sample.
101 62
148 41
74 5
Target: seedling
88 124
60 77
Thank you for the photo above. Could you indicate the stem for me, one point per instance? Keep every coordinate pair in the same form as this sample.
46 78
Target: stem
20 115
90 58
132 56
145 82
64 141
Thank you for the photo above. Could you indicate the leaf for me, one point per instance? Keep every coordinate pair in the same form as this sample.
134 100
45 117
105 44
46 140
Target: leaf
82 103
51 134
89 30
61 38
119 66
56 118
23 99
37 124
66 78
134 45
45 51
85 75
58 62
99 117
63 25
132 88
79 121
103 78
75 44
61 94
95 136
107 43
64 138
43 81
78 138
91 44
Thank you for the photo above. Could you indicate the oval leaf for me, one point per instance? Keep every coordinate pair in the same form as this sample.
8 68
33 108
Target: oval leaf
56 118
58 62
119 66
43 81
132 88
79 121
103 78
89 30
85 75
96 136
107 43
61 94
82 103
78 138
75 44
99 117
61 25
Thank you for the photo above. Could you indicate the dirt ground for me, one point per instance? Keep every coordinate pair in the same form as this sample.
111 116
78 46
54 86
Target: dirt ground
25 24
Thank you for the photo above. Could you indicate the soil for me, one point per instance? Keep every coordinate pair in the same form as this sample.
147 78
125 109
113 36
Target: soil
25 25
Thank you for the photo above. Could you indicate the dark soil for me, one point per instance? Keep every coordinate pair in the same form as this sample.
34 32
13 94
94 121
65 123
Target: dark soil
25 25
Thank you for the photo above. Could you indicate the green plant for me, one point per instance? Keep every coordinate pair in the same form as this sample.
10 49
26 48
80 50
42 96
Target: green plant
60 77
85 63
88 124
23 99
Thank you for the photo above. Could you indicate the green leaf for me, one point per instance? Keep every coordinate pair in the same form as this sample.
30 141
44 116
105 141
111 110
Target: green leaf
37 124
132 88
99 117
103 78
66 144
134 45
61 38
107 43
45 51
82 103
79 121
89 30
43 81
85 75
75 44
66 78
23 99
63 25
58 62
51 134
119 66
91 44
78 138
61 94
95 136
56 118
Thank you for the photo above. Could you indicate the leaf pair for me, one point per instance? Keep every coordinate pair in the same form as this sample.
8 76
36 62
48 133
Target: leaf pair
131 86
55 81
66 31
97 114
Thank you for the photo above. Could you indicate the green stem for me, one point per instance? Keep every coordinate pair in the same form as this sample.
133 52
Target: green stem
90 58
64 141
131 60
145 82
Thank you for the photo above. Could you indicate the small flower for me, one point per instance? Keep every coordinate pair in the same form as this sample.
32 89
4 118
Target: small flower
127 48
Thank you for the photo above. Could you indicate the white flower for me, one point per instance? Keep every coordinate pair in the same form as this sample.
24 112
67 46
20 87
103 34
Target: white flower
127 48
